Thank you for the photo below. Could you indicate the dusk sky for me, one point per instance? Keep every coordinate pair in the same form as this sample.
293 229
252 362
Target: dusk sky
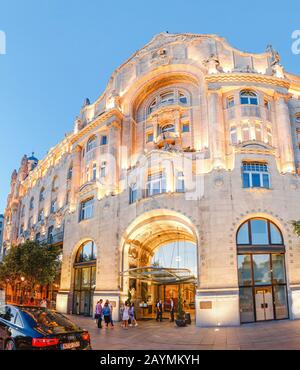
60 52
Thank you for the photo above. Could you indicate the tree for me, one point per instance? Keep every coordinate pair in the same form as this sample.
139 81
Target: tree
180 311
35 263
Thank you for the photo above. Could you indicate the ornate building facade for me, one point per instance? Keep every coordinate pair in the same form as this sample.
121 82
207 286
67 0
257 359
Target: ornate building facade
184 172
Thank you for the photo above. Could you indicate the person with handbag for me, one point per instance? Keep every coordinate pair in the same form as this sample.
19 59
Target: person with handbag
99 313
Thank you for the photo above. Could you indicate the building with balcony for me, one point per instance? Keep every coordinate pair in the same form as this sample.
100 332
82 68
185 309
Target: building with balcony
183 174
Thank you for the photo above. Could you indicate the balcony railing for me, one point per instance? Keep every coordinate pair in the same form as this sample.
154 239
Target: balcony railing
54 239
243 111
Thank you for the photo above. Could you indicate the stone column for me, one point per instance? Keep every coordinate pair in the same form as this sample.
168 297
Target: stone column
216 128
76 176
177 123
285 144
114 142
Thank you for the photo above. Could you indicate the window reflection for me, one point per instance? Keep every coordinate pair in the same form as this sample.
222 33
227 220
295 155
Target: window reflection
278 269
243 235
262 269
259 232
245 270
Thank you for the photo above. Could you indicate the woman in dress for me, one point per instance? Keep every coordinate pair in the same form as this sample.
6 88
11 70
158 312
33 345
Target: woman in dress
125 317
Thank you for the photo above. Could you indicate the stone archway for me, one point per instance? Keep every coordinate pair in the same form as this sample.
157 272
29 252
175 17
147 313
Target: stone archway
144 236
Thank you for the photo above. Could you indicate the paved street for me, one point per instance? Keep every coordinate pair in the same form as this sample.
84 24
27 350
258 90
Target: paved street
150 335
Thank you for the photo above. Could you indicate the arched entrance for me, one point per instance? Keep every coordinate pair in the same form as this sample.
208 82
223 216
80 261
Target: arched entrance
160 256
84 279
261 271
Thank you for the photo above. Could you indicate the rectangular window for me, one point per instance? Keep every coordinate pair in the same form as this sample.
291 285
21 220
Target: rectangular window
186 127
245 270
54 206
180 182
41 216
50 235
103 169
103 140
133 192
86 209
261 269
156 184
246 305
94 172
230 102
149 138
255 175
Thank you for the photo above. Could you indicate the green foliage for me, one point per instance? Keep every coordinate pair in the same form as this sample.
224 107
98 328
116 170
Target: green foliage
38 264
180 312
296 225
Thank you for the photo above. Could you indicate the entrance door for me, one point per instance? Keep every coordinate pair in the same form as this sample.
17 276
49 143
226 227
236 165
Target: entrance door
264 304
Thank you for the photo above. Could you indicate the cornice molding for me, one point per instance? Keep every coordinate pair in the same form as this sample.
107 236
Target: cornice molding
96 123
246 77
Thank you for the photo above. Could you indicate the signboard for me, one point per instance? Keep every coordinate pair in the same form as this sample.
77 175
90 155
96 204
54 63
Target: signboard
206 305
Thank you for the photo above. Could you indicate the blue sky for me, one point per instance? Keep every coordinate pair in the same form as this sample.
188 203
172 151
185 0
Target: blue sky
59 52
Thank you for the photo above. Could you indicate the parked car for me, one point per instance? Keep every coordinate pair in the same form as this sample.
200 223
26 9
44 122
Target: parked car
37 328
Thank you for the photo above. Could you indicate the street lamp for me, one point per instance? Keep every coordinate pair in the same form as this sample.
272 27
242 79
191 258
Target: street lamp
22 290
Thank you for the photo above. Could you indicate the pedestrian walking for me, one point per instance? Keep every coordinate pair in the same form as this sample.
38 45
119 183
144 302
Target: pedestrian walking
99 313
125 317
132 317
111 314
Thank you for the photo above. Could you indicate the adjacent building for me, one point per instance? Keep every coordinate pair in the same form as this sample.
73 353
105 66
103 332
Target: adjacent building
183 173
1 234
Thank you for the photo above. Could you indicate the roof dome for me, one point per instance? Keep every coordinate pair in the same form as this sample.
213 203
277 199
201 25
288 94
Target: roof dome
33 158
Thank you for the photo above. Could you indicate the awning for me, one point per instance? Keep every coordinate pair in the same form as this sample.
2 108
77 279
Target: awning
161 275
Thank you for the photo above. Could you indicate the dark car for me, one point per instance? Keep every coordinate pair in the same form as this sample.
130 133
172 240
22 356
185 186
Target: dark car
37 328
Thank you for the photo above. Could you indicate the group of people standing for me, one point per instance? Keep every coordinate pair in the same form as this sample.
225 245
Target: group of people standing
128 315
159 310
104 312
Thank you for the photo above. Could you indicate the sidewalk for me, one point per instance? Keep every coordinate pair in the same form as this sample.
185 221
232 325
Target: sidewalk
151 335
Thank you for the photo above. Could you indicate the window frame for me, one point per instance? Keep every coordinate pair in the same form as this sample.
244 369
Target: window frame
249 95
253 172
83 209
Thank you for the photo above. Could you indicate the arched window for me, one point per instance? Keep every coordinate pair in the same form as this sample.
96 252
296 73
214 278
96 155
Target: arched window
182 98
31 204
70 172
166 128
248 97
91 144
261 271
42 194
55 183
86 253
259 231
85 279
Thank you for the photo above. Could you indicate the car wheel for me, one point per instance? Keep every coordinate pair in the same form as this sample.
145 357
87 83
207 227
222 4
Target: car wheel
10 346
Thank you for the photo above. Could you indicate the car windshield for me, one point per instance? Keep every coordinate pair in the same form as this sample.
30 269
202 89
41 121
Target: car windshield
49 321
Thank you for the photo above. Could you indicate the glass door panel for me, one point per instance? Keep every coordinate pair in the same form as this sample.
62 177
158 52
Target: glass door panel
246 305
280 298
